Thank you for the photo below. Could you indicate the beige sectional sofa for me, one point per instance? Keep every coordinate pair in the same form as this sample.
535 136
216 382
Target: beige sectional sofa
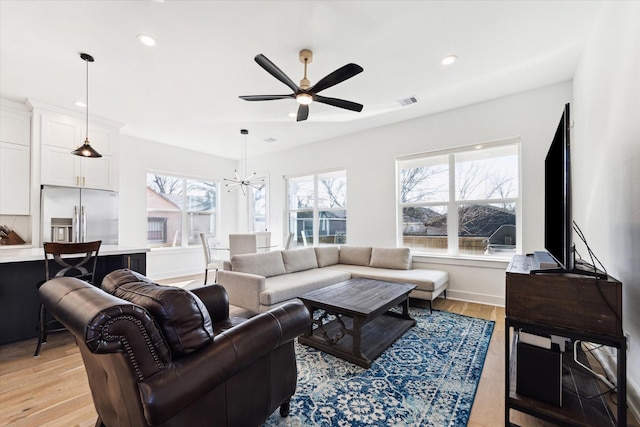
261 281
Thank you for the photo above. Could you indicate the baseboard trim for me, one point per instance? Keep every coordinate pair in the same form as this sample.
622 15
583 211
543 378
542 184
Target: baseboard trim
476 297
609 364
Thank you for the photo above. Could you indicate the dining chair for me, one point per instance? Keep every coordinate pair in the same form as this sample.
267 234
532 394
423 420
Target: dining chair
212 260
242 244
289 241
65 259
304 238
263 241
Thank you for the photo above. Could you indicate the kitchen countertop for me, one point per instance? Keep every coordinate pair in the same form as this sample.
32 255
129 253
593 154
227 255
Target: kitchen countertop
37 254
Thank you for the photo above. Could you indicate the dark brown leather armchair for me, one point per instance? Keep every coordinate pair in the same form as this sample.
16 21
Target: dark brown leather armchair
236 376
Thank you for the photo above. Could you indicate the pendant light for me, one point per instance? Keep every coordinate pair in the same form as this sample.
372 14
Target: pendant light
239 182
86 150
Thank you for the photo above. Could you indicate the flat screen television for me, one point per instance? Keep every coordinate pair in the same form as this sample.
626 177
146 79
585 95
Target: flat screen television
558 223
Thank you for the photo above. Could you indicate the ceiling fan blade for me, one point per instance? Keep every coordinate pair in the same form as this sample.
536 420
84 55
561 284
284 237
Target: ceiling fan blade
338 76
276 72
264 97
303 113
340 103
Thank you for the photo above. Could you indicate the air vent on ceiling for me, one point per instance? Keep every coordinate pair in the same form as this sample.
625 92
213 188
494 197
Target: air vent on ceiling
270 140
407 101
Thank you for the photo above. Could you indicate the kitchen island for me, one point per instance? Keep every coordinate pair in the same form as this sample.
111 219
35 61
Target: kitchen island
21 269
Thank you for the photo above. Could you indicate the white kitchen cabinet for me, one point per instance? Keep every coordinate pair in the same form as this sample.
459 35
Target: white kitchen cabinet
61 134
14 179
15 160
60 167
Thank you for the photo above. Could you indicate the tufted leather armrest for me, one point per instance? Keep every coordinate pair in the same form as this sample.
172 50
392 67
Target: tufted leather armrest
107 323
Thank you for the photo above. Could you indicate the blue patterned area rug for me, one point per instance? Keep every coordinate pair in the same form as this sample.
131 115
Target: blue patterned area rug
428 377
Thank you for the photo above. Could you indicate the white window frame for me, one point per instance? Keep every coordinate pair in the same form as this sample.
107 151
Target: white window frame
315 209
251 203
185 212
452 204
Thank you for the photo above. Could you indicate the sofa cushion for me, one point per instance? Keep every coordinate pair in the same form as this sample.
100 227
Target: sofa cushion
426 280
288 286
327 255
395 258
182 317
355 255
265 264
299 259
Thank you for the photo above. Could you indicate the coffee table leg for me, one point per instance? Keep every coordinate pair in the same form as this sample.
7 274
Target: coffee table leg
405 309
357 335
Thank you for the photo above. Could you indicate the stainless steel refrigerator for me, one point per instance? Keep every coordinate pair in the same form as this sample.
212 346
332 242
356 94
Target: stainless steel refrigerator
79 215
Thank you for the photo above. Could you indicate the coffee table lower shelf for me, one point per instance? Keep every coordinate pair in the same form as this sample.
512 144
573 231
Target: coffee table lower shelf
376 336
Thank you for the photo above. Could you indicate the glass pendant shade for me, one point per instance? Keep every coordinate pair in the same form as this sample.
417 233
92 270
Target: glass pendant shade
86 150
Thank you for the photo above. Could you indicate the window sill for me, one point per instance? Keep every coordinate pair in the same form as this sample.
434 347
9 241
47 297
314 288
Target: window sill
175 248
461 260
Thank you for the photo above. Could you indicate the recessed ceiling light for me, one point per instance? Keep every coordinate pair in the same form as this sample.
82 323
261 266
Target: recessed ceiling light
146 40
292 115
448 60
80 104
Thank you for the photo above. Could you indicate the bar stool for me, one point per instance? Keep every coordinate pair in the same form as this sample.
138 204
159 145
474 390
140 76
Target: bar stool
82 266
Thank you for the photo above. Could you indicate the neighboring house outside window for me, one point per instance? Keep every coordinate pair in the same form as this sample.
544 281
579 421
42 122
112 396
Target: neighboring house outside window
179 209
460 202
317 208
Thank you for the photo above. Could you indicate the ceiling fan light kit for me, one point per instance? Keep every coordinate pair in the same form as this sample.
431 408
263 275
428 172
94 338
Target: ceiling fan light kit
305 94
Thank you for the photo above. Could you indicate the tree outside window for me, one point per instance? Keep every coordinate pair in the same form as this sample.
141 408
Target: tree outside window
461 202
179 209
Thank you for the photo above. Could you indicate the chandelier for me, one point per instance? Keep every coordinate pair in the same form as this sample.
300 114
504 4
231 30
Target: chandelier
246 182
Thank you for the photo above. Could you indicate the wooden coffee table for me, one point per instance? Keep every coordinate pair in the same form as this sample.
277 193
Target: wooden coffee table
363 327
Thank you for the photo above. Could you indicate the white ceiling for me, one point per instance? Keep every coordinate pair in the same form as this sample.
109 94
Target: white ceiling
184 91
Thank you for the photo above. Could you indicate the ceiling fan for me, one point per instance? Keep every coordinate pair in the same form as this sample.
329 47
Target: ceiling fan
305 94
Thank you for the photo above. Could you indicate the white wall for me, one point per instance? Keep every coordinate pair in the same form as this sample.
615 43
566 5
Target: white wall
138 156
606 160
369 158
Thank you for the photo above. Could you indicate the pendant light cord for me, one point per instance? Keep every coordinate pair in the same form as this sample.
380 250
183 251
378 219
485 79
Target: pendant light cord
87 119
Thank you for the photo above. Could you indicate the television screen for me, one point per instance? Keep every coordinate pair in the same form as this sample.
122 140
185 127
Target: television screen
558 231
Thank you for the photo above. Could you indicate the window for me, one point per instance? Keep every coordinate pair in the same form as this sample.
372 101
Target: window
179 209
258 214
318 208
461 202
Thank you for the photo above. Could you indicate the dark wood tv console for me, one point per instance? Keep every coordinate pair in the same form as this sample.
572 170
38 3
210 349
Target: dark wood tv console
566 305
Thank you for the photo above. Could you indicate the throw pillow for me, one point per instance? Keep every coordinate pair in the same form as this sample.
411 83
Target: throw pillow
181 316
355 255
299 259
394 258
327 255
265 264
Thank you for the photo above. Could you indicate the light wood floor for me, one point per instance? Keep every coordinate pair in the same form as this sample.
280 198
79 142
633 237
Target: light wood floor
52 389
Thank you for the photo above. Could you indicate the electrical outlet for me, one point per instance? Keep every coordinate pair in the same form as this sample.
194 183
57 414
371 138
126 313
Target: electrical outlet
627 335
